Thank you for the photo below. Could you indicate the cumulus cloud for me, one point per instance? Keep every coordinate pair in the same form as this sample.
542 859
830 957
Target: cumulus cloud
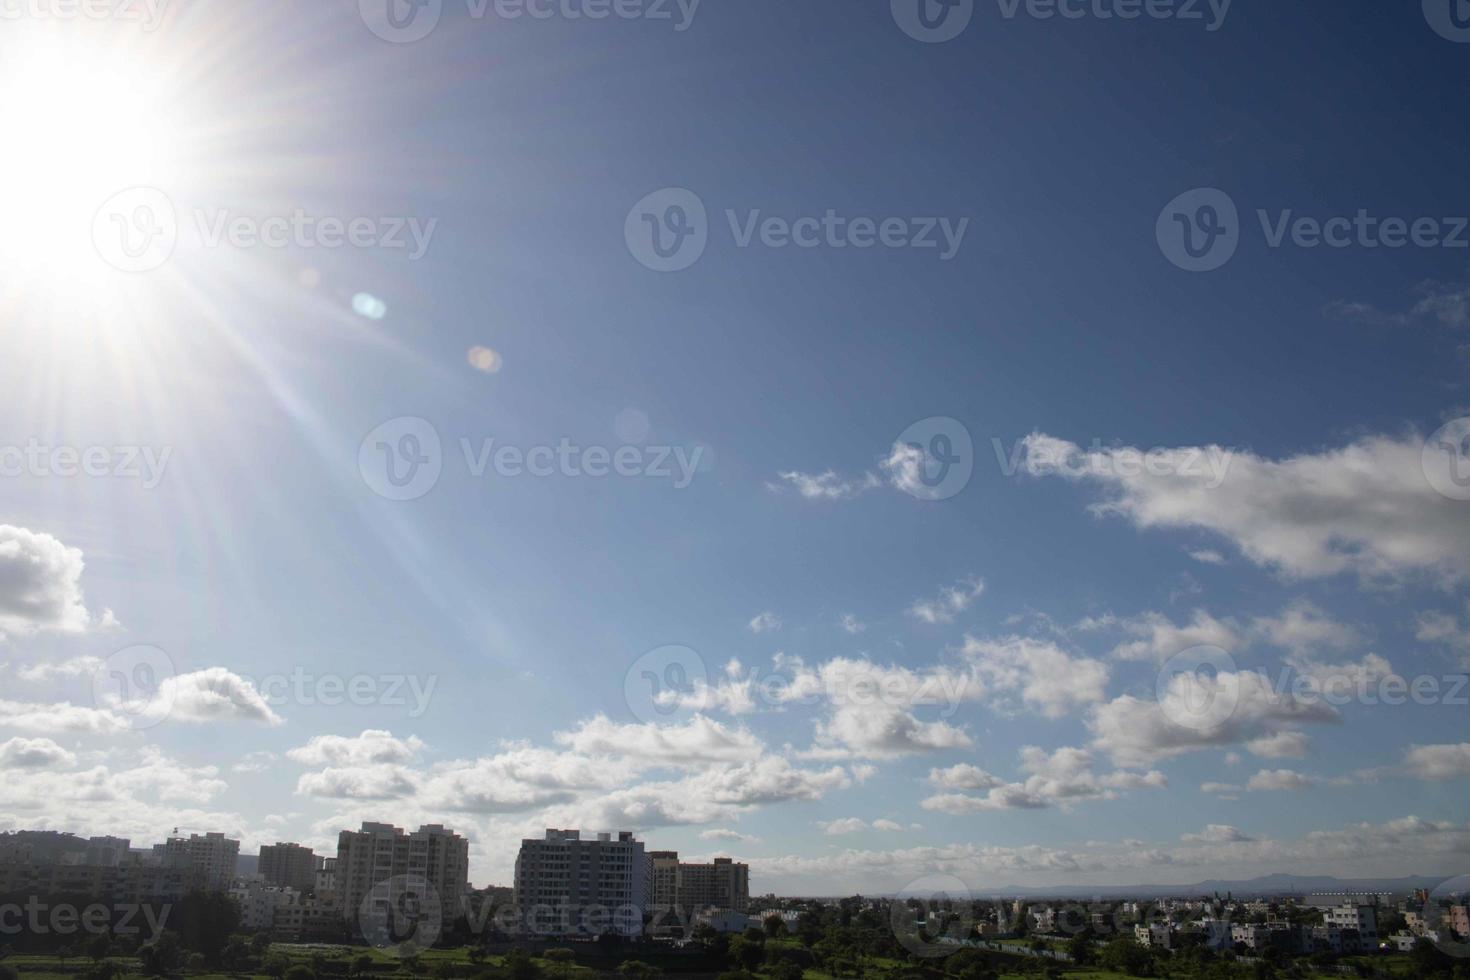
950 602
1365 508
34 753
211 695
1444 629
1282 745
698 740
1044 675
1439 763
61 718
1270 780
727 835
41 585
1218 833
1158 639
1060 778
851 624
1198 712
764 623
372 747
845 825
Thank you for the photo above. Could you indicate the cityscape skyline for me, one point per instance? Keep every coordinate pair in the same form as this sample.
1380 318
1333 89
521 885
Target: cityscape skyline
1031 449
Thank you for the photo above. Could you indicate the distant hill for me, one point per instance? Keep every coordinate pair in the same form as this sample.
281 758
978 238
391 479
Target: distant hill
1276 884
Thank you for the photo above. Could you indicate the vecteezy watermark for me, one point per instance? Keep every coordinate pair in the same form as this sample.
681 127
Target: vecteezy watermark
933 915
403 458
1207 466
140 686
933 459
1450 19
1201 688
138 230
669 230
146 13
39 918
133 685
661 685
35 459
937 21
403 915
1446 459
1450 892
1200 230
406 21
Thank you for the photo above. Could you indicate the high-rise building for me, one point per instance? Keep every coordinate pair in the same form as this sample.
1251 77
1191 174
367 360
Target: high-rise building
380 864
663 892
568 886
688 888
722 884
209 858
289 866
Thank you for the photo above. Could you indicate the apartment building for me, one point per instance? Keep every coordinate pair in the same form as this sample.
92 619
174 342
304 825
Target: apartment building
688 887
288 866
134 882
208 858
402 864
1459 920
258 903
1357 923
566 885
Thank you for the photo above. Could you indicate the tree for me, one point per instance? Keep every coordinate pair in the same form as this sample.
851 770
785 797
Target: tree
1080 948
206 921
520 966
275 965
1123 955
162 955
363 964
300 972
563 958
746 953
7 973
775 926
638 970
100 947
785 970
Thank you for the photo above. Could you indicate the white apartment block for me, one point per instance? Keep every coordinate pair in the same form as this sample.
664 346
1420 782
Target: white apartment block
566 885
402 863
1362 919
258 903
208 858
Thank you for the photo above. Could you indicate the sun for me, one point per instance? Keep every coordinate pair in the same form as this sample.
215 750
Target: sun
82 121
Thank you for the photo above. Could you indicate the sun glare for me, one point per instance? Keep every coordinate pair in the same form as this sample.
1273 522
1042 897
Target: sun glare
81 123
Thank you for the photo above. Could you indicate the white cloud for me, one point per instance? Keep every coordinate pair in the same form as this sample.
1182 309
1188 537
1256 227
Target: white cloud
60 718
1218 833
1198 713
1365 508
43 671
845 825
1445 630
1059 778
211 695
41 585
851 624
1282 745
1304 629
1208 556
699 740
1158 639
1042 673
1439 762
725 834
34 753
825 486
1270 780
372 747
765 622
891 826
950 602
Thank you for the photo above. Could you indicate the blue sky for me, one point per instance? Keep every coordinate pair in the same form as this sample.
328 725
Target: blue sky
518 605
